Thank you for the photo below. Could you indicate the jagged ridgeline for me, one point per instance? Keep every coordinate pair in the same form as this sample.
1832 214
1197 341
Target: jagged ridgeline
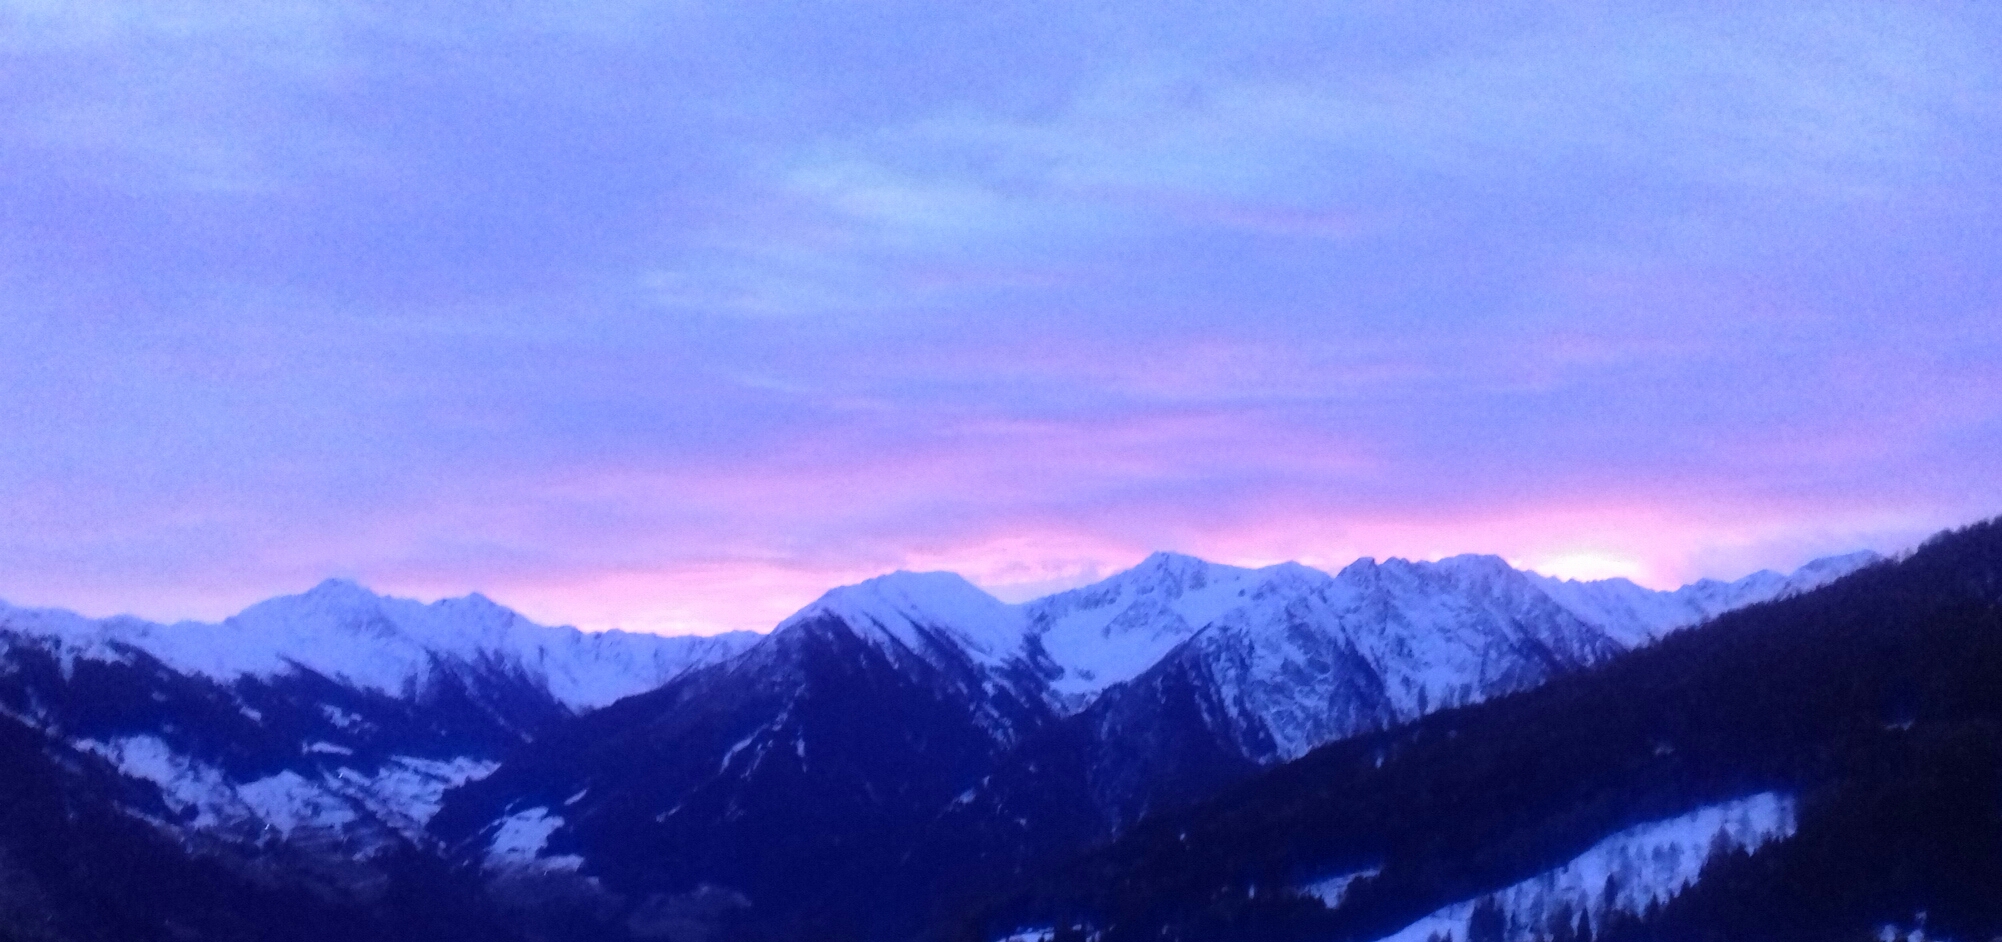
893 762
901 741
1826 766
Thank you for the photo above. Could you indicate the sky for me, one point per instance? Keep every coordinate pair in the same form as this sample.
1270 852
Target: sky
670 315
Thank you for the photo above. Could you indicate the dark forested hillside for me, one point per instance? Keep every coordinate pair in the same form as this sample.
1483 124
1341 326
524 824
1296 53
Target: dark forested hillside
1876 702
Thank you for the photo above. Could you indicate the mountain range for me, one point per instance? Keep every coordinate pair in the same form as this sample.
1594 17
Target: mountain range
1824 766
853 771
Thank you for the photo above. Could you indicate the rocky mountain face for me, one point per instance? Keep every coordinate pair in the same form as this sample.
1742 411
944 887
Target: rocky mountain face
1292 657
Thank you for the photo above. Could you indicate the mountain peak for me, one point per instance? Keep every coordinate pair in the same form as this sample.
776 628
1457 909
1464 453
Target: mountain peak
478 605
898 605
1293 577
1474 569
914 591
1173 573
342 605
334 602
1361 568
1169 560
1475 562
340 589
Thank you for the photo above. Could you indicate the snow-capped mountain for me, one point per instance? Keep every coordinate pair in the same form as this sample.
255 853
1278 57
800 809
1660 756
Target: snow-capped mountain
1823 766
1308 658
1193 676
1298 658
788 779
904 729
1258 667
894 729
1111 631
394 646
332 722
1635 615
937 616
829 740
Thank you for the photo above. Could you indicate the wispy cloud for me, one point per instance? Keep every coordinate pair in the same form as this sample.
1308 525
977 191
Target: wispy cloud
669 314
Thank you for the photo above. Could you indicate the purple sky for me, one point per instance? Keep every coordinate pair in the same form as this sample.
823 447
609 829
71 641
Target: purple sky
669 315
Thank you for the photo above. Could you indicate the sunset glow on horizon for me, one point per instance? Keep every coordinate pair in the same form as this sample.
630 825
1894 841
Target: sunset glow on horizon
729 306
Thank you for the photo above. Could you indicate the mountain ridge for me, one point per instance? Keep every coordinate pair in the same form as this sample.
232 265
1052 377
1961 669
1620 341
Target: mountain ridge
888 722
1861 717
837 706
343 631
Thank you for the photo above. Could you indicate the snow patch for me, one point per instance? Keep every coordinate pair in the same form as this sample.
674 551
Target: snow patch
1332 890
341 718
1044 934
404 793
520 839
288 802
191 789
740 746
1651 862
1912 930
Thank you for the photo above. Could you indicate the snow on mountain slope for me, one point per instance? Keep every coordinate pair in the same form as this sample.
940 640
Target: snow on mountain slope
1434 633
1430 622
346 803
1299 658
340 772
1109 632
810 762
393 646
919 611
332 721
1647 863
934 630
1459 629
1178 676
520 842
1332 890
1091 637
1635 615
1302 658
1178 664
1258 667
